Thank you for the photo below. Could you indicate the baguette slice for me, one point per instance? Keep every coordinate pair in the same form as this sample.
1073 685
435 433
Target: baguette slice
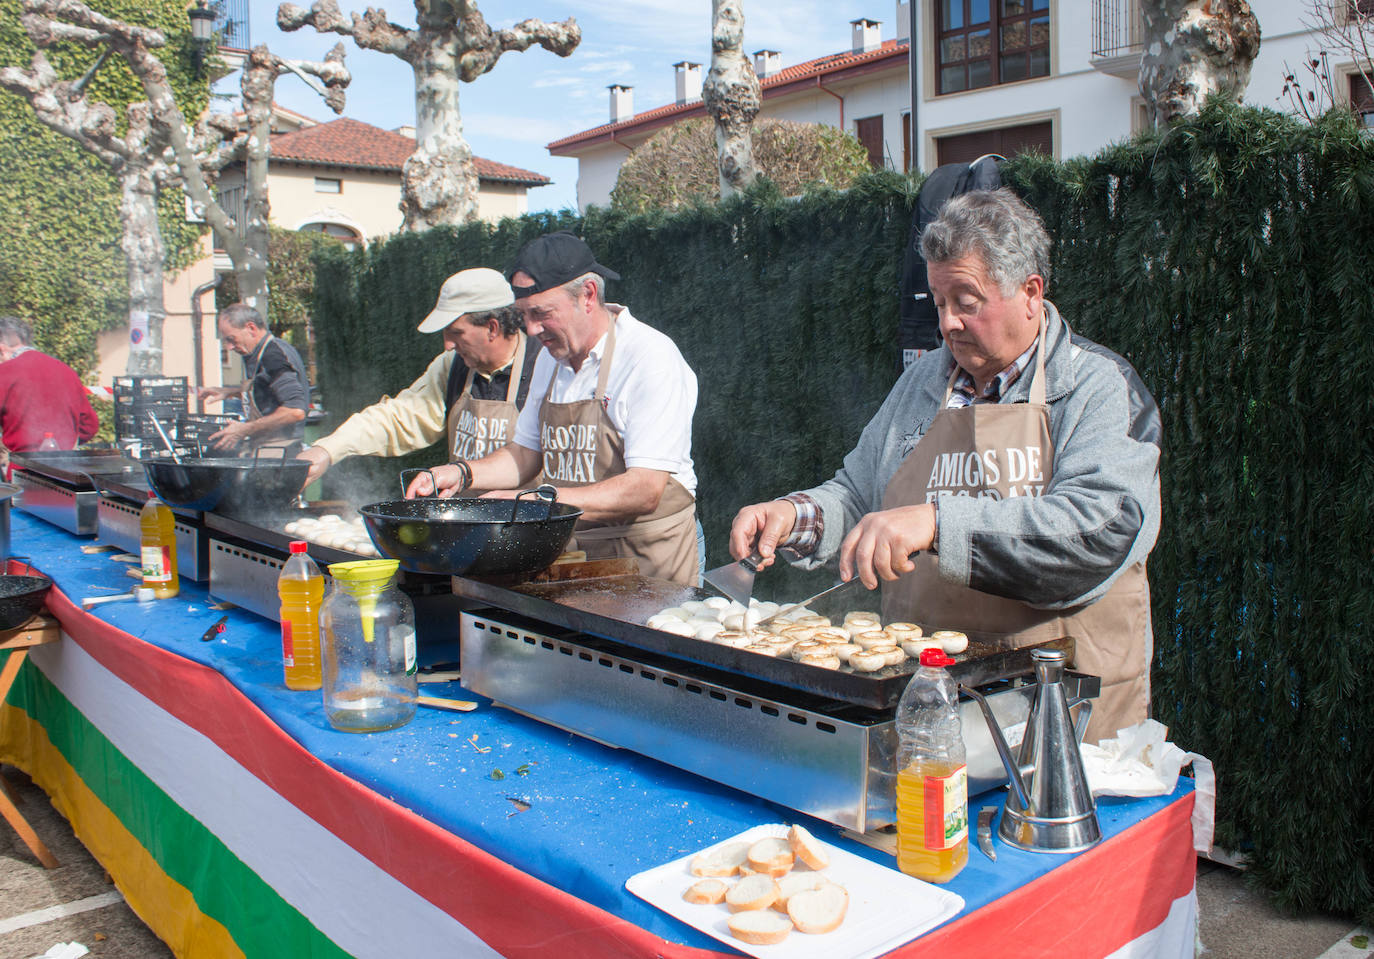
773 856
751 893
819 911
706 892
795 882
720 861
760 928
807 848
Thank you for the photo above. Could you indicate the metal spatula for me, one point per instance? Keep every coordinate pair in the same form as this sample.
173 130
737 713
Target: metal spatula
735 580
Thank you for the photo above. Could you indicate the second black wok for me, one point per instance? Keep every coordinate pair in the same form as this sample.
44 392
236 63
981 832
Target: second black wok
226 484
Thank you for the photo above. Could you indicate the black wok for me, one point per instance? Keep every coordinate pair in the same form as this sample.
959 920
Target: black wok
21 597
226 484
477 537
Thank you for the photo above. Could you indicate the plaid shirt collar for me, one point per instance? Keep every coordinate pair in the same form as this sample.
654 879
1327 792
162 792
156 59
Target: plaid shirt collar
965 392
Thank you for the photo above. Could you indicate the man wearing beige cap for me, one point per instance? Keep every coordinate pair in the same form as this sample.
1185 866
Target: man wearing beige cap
471 393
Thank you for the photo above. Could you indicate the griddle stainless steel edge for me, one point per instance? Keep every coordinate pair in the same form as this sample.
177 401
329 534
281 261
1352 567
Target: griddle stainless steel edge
615 607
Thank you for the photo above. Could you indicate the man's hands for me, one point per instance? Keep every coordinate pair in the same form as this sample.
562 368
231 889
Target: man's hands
319 460
761 527
449 478
879 547
230 437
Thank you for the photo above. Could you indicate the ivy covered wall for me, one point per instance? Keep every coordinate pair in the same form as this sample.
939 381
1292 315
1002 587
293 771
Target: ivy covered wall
1228 259
61 267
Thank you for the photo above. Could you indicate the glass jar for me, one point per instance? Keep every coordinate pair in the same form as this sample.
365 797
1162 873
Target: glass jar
368 632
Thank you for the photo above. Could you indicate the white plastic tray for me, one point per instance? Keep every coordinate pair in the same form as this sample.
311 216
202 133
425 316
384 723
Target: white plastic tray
886 907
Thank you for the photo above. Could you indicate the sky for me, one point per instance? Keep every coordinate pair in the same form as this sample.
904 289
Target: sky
533 97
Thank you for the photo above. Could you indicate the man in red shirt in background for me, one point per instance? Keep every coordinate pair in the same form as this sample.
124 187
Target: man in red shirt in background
39 394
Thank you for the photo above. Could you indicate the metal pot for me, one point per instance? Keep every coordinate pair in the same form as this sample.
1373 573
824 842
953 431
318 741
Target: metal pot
7 490
478 537
226 484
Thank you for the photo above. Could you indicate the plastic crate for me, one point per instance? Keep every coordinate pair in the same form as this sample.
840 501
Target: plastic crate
132 422
135 390
197 428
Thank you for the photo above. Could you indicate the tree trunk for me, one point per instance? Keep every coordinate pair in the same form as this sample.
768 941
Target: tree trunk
439 180
141 241
1193 49
733 97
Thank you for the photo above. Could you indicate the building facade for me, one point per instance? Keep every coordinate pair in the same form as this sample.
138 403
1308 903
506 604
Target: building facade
992 76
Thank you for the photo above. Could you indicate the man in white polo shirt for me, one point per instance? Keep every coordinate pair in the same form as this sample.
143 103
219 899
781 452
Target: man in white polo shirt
612 425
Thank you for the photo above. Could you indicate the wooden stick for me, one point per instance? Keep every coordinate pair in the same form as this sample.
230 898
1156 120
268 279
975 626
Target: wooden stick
458 705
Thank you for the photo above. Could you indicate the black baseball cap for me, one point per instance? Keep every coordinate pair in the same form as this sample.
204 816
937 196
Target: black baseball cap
552 260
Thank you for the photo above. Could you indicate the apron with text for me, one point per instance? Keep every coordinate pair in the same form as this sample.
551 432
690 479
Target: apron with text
479 427
582 446
1004 450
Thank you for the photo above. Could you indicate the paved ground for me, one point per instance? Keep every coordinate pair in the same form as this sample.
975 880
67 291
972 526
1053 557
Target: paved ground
76 902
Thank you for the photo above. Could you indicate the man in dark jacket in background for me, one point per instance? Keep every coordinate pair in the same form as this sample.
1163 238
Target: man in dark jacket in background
275 393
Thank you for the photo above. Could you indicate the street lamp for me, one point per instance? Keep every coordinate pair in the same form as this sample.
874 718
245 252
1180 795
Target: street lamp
202 33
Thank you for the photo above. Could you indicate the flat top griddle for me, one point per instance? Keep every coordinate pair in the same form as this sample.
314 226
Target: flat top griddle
270 532
76 467
614 607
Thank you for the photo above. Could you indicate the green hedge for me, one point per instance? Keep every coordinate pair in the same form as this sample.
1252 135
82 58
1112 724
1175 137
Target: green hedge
1228 259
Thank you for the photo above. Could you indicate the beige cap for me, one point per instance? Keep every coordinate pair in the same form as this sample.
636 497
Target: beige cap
470 291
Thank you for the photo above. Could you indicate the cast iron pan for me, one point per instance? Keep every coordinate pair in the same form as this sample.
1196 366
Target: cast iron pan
21 597
477 537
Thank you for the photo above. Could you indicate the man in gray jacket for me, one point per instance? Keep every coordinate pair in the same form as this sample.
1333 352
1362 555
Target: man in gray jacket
1019 460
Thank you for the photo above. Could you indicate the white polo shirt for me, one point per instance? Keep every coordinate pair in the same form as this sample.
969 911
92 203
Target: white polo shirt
651 394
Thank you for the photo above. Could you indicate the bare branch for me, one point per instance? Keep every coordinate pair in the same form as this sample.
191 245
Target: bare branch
370 30
483 47
93 125
80 20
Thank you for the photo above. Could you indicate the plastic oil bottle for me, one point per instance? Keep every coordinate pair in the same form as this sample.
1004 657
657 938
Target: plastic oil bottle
49 443
158 549
932 777
301 589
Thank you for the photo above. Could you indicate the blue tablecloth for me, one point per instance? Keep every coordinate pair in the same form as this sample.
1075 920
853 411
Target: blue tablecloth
595 816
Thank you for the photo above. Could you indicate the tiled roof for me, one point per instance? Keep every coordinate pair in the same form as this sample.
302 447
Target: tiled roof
777 84
351 143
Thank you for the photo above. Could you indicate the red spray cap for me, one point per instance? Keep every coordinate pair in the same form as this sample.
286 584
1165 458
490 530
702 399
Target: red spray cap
935 656
298 546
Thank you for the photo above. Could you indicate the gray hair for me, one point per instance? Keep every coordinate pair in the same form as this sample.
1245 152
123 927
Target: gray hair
508 317
12 328
574 287
239 315
999 228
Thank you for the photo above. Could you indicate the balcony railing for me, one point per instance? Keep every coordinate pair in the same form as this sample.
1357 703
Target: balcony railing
231 24
1117 28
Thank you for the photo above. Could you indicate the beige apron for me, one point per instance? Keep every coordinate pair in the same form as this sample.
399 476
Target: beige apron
1003 450
582 446
479 427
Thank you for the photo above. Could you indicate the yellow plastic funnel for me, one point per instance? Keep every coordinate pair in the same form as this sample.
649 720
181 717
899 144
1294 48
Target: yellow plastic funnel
364 580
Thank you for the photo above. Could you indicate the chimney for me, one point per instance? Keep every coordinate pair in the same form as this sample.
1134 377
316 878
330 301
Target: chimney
408 130
688 81
767 63
903 20
622 102
867 35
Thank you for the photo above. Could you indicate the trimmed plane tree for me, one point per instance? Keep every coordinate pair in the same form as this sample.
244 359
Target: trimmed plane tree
159 148
733 97
451 43
1195 49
